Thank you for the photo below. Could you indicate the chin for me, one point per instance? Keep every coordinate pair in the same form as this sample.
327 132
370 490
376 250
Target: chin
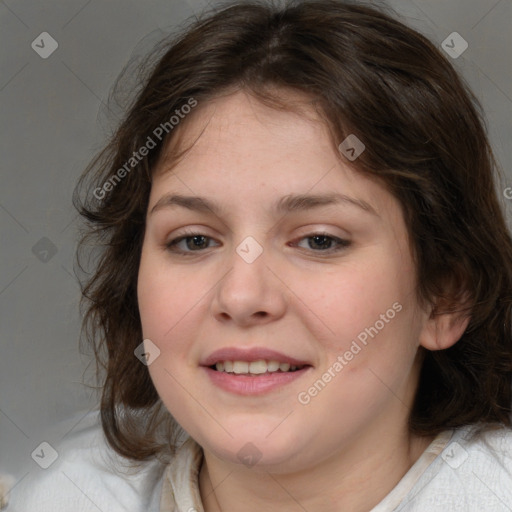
262 448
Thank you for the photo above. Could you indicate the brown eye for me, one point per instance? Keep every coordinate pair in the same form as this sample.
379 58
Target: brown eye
196 242
322 242
193 242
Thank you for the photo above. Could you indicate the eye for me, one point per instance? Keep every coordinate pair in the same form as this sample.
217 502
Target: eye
197 242
191 242
323 242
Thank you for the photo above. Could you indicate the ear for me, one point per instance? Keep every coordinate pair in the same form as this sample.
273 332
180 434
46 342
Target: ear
442 330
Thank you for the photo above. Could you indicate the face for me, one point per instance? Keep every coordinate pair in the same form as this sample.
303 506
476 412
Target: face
263 249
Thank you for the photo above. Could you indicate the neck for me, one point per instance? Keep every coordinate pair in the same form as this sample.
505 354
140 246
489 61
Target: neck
352 479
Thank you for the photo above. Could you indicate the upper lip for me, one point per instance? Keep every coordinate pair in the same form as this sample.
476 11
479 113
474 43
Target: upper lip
250 355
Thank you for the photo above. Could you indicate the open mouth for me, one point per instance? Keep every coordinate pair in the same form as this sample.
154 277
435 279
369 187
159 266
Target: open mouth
255 368
254 371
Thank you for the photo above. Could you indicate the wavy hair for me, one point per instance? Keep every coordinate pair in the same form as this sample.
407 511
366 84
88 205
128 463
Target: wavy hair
425 137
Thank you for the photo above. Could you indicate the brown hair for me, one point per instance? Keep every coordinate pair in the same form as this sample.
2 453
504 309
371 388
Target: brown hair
369 75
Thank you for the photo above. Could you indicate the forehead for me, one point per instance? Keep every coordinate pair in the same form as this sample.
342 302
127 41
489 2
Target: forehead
220 125
235 144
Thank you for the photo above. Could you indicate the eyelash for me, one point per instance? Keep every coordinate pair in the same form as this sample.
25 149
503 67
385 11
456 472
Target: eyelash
341 243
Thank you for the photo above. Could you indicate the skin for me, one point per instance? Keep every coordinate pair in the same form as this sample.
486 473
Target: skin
349 446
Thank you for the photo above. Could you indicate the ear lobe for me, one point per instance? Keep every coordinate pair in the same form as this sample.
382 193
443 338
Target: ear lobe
443 330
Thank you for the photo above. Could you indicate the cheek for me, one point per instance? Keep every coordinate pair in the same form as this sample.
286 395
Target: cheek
167 316
164 298
340 304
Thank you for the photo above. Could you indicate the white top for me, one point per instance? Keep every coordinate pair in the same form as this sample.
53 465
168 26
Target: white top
458 472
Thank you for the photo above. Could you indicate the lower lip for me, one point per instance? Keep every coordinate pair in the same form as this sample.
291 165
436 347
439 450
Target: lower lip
257 385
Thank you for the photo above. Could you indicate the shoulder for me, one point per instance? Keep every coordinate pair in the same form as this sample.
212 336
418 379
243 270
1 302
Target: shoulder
472 473
86 475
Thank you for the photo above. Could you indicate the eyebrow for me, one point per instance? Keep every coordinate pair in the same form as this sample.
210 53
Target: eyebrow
287 204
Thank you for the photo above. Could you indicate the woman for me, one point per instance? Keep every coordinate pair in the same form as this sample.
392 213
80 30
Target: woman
305 266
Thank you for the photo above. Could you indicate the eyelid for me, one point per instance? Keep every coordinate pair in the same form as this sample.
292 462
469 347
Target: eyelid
340 243
182 236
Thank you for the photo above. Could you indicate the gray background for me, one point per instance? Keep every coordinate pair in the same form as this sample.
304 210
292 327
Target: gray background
50 130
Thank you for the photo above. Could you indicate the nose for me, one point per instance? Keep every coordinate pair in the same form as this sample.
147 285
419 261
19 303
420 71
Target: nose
249 293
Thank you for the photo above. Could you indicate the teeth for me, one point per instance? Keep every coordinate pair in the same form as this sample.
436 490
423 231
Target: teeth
258 367
255 367
272 366
240 367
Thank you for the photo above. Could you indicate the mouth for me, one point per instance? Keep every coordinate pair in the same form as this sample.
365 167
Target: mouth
254 371
255 368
